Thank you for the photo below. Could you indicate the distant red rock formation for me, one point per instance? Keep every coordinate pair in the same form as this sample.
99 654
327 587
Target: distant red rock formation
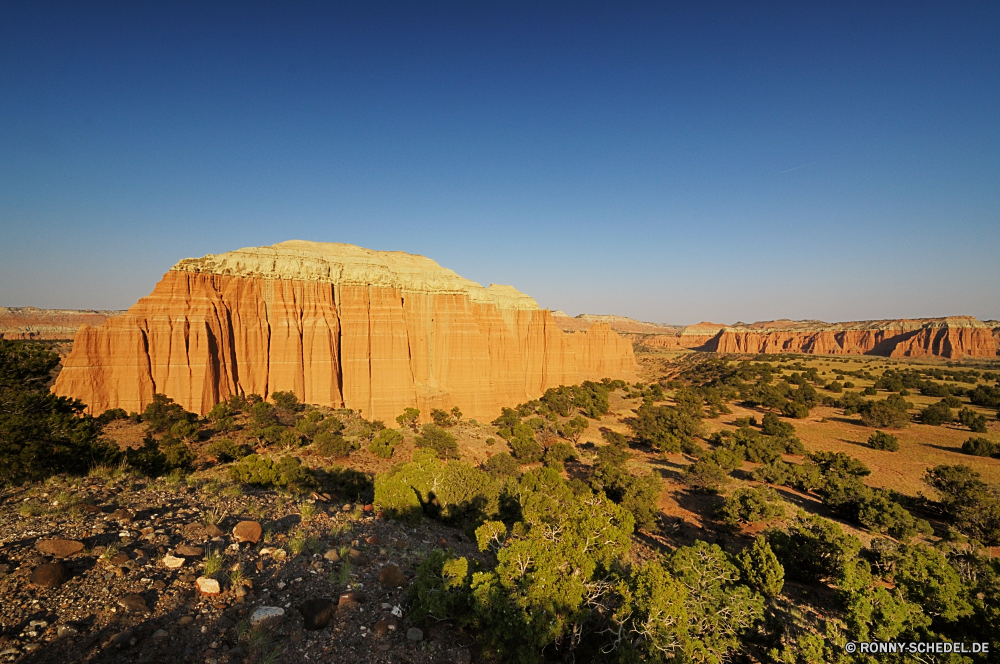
337 325
29 323
952 337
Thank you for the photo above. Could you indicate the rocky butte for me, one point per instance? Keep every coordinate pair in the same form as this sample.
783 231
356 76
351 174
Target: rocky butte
338 325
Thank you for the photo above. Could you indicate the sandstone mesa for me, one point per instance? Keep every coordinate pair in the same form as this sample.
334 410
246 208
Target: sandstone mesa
340 326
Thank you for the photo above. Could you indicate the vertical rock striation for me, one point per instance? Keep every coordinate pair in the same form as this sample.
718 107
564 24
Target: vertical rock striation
337 325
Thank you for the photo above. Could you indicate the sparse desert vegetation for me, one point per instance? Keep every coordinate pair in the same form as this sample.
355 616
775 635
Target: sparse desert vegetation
735 486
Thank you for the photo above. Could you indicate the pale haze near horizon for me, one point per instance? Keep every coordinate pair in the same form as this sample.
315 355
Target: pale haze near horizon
671 164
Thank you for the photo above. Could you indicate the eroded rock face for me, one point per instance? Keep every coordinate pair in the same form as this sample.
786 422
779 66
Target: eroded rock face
953 337
337 325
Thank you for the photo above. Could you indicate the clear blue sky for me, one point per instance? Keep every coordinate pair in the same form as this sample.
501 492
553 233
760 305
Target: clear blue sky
673 162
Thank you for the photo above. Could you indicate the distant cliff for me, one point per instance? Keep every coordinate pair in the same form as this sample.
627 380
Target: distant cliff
337 325
27 323
953 337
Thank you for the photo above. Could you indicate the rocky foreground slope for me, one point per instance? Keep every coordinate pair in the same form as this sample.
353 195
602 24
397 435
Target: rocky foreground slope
953 337
120 569
340 326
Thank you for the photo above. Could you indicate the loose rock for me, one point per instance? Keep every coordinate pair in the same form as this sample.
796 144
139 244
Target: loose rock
60 548
50 575
392 577
188 550
172 562
134 604
415 634
332 555
267 616
207 586
248 531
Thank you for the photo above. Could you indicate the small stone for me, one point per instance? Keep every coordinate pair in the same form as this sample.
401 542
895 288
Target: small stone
66 631
207 586
381 627
392 577
316 613
119 559
374 540
353 596
134 603
213 530
267 616
369 508
160 634
185 621
60 548
415 634
159 584
442 542
122 638
50 575
188 550
173 562
357 558
248 531
346 507
279 554
332 555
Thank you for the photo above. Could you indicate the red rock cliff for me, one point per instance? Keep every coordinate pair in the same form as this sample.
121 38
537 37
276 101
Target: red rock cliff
953 337
338 325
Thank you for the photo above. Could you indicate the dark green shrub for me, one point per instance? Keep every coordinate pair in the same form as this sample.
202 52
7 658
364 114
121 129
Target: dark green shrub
262 413
665 427
883 441
287 401
749 505
439 440
521 439
226 450
162 413
384 443
441 590
638 494
795 409
501 465
835 387
288 473
936 414
408 418
882 514
333 444
972 505
177 454
813 548
890 413
559 453
772 425
42 434
441 418
760 568
111 415
980 447
970 418
397 499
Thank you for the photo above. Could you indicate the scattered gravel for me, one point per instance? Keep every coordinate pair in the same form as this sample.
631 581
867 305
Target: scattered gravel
118 574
